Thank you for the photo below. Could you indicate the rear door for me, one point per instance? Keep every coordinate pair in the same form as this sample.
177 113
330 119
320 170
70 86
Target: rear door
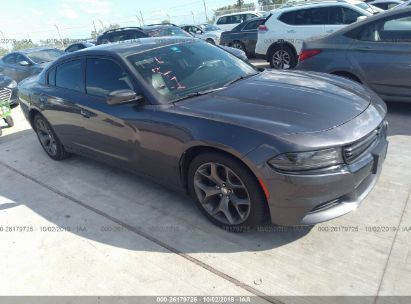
248 35
304 24
340 16
382 54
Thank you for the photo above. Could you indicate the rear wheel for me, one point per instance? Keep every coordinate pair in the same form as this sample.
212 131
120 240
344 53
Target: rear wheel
283 57
238 45
48 139
226 192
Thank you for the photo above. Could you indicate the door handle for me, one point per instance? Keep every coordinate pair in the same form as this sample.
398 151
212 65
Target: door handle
85 113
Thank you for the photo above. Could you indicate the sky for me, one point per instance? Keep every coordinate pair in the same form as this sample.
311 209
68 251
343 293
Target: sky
37 19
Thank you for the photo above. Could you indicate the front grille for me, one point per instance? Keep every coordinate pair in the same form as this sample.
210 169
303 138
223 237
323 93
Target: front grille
353 151
5 95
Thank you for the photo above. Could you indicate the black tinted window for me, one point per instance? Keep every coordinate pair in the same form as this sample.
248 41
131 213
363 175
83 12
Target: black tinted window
287 18
313 16
253 25
104 76
69 75
9 59
51 77
222 20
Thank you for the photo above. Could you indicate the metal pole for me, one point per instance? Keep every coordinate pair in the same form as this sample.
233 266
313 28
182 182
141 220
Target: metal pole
142 19
139 21
58 31
169 18
95 29
205 10
192 13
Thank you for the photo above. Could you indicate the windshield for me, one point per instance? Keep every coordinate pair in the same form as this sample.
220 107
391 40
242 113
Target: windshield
177 71
369 8
168 31
210 27
44 55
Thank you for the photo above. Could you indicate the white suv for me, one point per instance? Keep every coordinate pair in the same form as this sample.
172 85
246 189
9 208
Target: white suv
281 36
229 21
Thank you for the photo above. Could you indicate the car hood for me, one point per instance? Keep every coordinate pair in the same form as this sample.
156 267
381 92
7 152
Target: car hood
5 81
282 102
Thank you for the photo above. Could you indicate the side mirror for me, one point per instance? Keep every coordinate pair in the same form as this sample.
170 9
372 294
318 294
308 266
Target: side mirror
361 18
122 96
24 63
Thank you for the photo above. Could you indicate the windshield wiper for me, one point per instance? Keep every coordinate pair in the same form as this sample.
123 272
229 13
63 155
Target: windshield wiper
239 78
195 94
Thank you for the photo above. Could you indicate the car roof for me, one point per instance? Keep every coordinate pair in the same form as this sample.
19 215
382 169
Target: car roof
298 4
26 51
384 1
134 46
239 13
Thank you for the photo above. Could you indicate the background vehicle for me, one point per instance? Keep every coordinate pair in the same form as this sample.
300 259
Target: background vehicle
22 64
211 36
121 34
229 21
385 4
10 84
243 36
187 115
280 38
169 30
375 52
403 5
78 46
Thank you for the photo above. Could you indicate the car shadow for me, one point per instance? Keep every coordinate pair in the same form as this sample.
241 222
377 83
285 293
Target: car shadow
118 208
399 117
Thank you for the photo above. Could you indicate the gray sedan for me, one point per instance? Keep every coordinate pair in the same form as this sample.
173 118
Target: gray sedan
375 52
22 64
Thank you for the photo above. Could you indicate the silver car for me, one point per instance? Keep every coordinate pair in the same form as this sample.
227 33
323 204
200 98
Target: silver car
375 52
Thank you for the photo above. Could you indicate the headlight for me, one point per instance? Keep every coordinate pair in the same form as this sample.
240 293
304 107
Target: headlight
298 161
12 84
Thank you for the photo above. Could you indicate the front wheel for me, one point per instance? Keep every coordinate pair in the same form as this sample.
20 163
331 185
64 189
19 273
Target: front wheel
48 139
226 192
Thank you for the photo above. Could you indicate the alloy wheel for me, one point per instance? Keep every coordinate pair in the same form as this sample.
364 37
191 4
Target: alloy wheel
46 137
222 193
281 60
237 45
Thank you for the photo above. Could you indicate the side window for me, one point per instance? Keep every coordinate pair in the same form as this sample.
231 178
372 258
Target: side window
287 18
69 76
252 25
349 16
104 76
222 20
20 58
9 59
73 48
316 16
51 77
395 30
235 19
136 35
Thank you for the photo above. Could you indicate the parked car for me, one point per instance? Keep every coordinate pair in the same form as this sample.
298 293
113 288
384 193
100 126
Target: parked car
300 149
209 36
281 36
78 46
375 52
8 87
229 21
120 34
386 4
168 30
243 36
22 64
405 4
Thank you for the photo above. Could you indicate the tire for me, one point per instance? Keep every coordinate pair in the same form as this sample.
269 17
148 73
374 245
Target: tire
241 186
283 57
211 41
238 45
9 121
46 134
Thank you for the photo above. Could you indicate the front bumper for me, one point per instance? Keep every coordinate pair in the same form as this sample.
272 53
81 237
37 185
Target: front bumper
318 196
